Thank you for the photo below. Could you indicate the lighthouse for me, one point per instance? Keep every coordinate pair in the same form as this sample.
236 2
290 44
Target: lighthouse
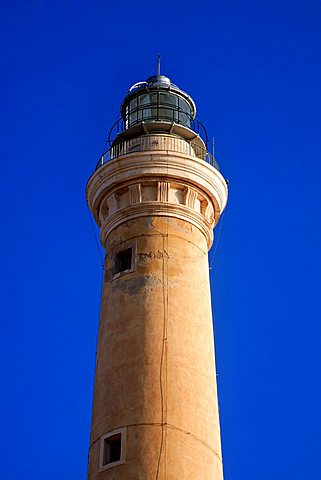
156 195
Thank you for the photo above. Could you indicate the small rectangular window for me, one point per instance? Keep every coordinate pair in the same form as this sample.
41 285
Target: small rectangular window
123 261
112 449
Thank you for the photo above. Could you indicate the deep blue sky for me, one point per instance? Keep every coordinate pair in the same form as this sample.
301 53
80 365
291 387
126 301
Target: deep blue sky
254 70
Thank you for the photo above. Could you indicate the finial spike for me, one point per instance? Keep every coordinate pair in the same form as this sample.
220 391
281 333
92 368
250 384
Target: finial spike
158 63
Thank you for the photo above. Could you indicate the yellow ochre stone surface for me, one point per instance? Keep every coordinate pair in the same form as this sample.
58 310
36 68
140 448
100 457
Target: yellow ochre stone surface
155 370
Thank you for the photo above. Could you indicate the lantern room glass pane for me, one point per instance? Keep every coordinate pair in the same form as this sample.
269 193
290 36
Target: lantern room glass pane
185 115
149 113
183 105
147 99
168 107
168 99
148 106
153 106
185 119
133 103
168 114
133 118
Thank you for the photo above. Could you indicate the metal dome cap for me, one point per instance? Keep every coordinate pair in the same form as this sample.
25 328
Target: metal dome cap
158 80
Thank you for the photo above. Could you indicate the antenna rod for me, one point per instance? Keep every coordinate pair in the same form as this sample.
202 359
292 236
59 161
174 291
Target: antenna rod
158 64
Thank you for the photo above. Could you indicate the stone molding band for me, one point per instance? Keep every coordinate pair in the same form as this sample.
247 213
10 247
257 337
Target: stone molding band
170 184
156 209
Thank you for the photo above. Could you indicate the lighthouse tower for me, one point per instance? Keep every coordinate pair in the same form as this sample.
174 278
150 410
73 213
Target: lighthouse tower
156 195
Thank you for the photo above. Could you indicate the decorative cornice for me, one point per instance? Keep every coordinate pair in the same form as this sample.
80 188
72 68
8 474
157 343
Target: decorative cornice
164 184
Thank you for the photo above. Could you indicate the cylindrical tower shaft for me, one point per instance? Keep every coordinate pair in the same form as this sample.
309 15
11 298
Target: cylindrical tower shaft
155 372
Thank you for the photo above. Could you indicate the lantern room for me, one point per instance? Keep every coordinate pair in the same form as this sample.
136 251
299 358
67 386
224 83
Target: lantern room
157 99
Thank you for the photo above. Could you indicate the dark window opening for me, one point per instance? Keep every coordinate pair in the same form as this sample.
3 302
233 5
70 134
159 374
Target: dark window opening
112 449
123 261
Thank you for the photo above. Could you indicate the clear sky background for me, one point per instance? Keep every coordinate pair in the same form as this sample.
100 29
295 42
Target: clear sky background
254 71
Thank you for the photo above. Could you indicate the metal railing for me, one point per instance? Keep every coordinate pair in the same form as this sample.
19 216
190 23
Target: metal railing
154 113
158 143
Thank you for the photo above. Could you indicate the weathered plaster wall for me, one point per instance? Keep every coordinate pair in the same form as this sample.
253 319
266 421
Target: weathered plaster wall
155 369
